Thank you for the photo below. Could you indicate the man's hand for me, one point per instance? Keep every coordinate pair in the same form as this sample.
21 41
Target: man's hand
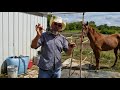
70 49
39 29
72 45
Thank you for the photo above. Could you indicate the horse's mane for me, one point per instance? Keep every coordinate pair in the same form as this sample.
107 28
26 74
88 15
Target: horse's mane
93 30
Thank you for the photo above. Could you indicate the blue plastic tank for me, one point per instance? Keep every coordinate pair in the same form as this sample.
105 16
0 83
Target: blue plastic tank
20 61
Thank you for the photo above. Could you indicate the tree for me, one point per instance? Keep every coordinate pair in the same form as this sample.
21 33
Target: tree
48 20
72 26
101 27
92 23
67 26
79 25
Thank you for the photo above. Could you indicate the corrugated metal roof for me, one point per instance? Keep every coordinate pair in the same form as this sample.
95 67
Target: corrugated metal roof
38 13
53 13
65 12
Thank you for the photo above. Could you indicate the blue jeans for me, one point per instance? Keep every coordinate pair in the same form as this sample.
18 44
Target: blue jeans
49 73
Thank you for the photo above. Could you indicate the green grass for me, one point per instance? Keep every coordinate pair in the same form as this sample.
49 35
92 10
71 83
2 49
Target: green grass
71 31
109 55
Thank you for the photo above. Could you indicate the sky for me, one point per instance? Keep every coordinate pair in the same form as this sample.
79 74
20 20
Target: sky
100 18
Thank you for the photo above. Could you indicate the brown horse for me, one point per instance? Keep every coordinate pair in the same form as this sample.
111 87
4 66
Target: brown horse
100 42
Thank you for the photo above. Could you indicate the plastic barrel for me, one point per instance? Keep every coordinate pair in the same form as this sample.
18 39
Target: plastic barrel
21 62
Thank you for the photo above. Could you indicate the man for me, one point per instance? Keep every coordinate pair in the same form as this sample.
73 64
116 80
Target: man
52 43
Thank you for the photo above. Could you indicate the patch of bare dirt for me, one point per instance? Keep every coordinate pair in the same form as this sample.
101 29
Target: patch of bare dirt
87 70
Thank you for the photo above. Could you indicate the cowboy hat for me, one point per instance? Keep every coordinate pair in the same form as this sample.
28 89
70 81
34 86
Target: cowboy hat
58 20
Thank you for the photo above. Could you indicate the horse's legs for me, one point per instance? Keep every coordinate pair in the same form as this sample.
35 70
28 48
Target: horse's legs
116 56
119 53
97 57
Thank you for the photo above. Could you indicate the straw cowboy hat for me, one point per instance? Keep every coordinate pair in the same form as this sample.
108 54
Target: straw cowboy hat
58 20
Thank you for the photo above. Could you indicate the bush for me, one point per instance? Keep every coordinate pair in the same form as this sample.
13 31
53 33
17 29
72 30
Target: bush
118 31
105 31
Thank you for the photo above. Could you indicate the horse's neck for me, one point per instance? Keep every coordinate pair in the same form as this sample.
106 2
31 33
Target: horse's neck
92 34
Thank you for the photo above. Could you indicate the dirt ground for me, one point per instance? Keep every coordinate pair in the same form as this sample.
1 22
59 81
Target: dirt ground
31 73
87 71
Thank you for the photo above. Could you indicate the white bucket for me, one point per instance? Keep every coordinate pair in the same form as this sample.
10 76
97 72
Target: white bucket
12 71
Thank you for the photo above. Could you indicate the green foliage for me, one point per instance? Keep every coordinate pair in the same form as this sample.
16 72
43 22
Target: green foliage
106 31
102 27
74 26
48 20
67 26
118 31
92 23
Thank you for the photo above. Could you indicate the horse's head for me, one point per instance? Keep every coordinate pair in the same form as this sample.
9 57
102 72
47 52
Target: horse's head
85 28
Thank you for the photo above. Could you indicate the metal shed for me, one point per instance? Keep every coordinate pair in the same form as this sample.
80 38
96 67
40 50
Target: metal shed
17 29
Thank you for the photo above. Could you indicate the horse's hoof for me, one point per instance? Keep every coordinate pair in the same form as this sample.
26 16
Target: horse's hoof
96 71
112 66
97 68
